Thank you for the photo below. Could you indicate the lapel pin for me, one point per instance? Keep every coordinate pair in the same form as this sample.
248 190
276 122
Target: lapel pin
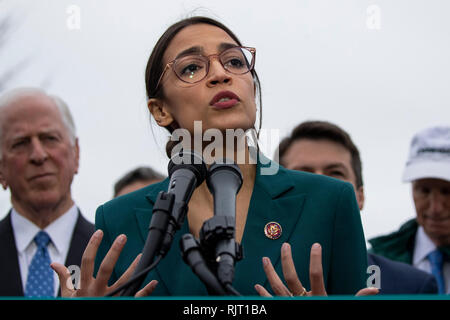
273 230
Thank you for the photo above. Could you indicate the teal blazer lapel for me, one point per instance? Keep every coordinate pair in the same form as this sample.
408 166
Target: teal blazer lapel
273 200
143 215
143 218
172 273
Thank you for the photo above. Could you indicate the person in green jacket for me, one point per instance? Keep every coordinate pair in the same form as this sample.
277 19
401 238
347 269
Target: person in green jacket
425 240
304 227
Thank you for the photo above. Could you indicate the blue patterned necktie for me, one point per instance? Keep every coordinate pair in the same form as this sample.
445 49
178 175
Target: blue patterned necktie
40 275
437 262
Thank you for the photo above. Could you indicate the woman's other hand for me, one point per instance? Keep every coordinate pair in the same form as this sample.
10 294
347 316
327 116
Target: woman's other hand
97 287
294 286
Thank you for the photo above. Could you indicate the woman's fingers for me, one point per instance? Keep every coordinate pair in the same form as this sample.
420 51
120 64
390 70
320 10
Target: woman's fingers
147 290
290 275
262 291
316 271
88 259
91 286
65 279
275 282
367 292
127 274
107 266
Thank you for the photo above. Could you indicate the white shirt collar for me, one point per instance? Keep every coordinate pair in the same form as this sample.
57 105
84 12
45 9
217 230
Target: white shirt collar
423 246
60 230
24 230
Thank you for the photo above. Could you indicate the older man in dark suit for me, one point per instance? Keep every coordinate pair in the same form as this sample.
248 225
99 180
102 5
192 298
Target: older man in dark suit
39 156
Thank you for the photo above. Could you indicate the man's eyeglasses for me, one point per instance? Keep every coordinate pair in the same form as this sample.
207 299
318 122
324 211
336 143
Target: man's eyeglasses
195 68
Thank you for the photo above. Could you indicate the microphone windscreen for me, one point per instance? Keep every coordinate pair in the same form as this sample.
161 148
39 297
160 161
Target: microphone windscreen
191 160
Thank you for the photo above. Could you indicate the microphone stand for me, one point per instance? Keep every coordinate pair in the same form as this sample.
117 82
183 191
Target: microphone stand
193 256
199 255
212 258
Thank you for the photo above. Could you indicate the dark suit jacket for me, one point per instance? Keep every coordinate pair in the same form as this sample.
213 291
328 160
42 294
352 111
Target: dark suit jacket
401 278
10 279
310 208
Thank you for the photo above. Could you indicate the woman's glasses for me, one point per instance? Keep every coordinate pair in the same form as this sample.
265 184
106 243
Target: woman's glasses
195 68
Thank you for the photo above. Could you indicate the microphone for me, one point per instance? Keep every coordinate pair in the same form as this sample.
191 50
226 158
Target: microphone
187 171
224 182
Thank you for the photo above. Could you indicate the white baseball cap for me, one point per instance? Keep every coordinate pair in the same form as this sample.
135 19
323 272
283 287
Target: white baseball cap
429 155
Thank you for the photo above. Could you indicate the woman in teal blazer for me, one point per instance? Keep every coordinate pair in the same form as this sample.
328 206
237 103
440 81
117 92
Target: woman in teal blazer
310 208
197 72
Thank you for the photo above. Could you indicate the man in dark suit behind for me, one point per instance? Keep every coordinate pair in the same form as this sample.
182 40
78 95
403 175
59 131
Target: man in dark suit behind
324 148
39 156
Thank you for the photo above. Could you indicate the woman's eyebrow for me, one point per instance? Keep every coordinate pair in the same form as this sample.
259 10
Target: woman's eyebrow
199 50
225 45
191 50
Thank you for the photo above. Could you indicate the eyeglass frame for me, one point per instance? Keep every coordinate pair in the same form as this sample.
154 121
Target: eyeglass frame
171 63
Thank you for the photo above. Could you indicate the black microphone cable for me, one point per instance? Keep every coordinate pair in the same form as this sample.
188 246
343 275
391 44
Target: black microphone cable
134 278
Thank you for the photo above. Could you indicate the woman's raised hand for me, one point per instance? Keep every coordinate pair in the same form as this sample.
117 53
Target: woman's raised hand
95 287
294 286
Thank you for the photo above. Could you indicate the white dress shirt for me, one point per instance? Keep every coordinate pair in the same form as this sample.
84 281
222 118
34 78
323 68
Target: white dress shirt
60 232
423 246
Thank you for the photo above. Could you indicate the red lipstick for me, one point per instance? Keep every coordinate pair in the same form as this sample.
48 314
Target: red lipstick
224 100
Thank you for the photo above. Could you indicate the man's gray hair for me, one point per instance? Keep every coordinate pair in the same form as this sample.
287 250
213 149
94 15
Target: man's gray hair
11 96
66 117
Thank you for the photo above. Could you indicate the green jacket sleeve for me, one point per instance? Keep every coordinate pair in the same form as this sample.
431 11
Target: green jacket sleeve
349 255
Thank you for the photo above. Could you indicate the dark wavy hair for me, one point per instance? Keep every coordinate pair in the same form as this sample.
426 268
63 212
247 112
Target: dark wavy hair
155 65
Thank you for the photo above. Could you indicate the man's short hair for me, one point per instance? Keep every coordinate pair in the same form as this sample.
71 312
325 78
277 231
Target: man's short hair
141 174
323 130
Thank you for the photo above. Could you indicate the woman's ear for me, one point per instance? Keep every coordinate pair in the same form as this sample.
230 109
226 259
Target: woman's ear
159 112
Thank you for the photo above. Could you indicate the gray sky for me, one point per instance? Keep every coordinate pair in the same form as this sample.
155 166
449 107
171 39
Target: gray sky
379 69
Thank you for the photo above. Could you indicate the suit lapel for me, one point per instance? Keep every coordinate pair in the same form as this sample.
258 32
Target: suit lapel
81 234
10 278
143 215
272 201
143 218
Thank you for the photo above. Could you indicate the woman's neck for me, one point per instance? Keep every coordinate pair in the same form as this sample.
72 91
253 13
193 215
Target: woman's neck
243 158
201 205
230 146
